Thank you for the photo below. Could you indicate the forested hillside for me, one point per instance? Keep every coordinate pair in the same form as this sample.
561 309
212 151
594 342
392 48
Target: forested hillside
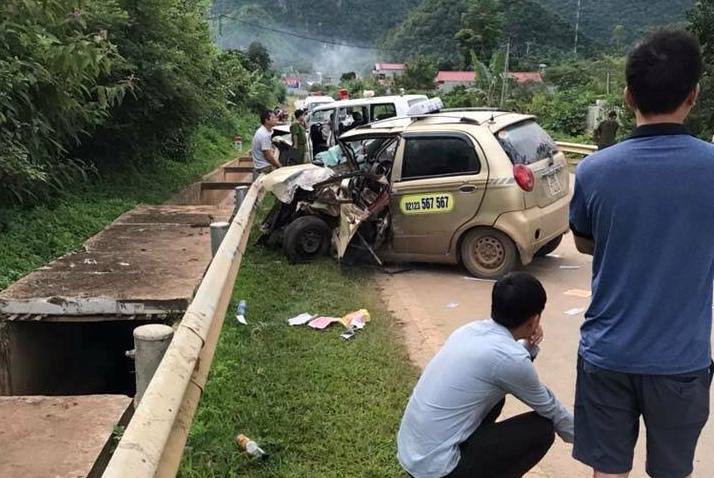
432 28
600 17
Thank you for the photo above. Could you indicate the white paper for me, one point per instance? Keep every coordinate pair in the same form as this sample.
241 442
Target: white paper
452 305
576 311
301 319
241 319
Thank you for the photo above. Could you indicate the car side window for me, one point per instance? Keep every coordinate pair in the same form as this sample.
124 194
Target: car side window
383 111
438 156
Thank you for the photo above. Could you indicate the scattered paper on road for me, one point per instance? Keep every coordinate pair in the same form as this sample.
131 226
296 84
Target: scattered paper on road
452 305
301 319
478 279
570 267
579 293
576 311
356 319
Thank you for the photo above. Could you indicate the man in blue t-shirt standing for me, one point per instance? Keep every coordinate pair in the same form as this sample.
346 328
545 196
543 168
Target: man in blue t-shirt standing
645 210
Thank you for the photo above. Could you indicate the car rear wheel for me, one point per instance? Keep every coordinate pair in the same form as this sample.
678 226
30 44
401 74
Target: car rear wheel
549 247
306 238
488 253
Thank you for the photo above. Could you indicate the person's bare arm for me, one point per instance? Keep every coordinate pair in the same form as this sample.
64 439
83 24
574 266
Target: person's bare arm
584 245
268 153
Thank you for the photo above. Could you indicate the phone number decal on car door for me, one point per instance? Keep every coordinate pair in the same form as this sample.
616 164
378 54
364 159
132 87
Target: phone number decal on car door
427 203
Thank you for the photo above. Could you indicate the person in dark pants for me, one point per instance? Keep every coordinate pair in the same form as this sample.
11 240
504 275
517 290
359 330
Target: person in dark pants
298 138
449 427
606 131
645 349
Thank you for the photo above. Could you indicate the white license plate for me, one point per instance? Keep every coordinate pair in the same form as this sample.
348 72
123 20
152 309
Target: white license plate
554 185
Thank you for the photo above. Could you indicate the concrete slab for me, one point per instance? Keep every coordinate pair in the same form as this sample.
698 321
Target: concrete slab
58 436
149 261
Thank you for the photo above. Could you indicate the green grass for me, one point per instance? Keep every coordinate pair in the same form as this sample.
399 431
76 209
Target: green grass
320 407
32 236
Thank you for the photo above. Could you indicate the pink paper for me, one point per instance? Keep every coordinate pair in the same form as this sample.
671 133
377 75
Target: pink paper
322 322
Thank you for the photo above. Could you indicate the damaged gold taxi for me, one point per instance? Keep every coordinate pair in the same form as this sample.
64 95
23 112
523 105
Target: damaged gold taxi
484 188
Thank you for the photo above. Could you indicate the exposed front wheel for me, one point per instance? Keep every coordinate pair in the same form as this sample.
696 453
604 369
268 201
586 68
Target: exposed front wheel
488 253
306 238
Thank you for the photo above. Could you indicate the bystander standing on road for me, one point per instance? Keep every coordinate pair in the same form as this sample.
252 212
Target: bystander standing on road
643 209
261 150
449 428
606 131
298 137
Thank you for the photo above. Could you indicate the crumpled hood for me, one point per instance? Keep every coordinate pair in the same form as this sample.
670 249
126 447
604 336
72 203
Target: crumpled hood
283 182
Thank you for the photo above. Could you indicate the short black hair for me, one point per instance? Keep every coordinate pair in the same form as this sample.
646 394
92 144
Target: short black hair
299 113
515 298
265 116
663 70
612 114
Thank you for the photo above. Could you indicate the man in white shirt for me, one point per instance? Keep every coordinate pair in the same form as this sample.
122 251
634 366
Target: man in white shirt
449 428
262 147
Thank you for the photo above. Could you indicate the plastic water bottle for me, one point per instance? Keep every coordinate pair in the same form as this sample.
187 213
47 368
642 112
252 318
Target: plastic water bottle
240 312
249 446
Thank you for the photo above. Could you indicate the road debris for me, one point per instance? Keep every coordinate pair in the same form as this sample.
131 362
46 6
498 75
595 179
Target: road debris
321 323
452 305
582 293
478 279
240 313
301 319
575 311
250 447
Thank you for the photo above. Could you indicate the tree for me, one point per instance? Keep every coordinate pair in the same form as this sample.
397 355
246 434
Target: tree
481 30
618 37
349 76
418 74
702 26
258 56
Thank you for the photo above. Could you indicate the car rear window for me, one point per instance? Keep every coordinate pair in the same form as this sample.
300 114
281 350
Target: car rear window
526 142
438 156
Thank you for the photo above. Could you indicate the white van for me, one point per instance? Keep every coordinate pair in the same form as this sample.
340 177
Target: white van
312 102
327 122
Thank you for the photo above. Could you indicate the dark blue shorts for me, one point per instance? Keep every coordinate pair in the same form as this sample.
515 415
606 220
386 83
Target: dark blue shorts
608 406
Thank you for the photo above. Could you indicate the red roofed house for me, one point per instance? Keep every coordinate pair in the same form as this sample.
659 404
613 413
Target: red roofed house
448 80
386 72
525 77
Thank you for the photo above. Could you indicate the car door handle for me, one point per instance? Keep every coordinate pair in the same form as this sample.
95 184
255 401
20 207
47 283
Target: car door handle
467 189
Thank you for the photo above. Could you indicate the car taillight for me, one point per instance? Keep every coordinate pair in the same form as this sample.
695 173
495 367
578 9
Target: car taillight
524 177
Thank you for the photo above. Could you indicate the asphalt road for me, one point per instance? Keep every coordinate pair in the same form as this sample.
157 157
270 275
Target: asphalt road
432 301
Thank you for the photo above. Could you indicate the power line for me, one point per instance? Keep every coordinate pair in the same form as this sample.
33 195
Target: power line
299 35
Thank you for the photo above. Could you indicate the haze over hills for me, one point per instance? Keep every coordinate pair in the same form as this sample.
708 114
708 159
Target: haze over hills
407 27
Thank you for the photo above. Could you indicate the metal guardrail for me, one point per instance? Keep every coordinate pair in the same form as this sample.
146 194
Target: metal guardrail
576 148
153 442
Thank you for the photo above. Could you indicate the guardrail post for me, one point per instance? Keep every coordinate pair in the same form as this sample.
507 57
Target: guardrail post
150 344
240 193
218 232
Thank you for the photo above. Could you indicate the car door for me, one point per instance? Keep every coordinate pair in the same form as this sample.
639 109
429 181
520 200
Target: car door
438 184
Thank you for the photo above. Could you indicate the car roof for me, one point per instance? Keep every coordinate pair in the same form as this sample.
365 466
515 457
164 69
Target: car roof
370 101
492 119
319 99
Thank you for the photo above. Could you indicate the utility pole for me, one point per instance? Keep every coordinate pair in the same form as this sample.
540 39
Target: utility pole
505 73
577 25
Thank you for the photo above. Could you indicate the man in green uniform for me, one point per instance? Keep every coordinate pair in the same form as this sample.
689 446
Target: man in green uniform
606 131
297 135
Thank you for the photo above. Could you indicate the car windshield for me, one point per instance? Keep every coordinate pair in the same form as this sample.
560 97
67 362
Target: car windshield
364 150
526 143
321 116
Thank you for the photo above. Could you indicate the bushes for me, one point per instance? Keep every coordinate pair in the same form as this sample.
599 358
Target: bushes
58 70
109 83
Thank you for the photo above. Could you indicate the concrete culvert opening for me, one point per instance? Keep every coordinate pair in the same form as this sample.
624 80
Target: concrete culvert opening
67 358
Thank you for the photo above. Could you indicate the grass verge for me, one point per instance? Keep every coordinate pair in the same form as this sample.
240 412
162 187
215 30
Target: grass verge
32 236
320 407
